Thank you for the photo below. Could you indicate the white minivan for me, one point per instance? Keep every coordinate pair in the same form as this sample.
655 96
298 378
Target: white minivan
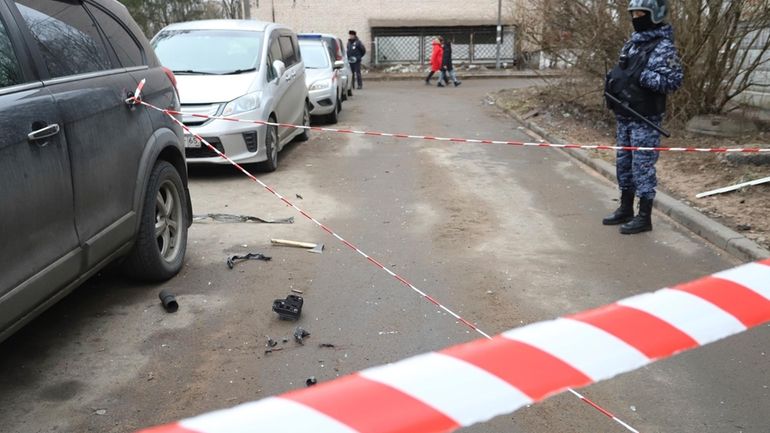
244 69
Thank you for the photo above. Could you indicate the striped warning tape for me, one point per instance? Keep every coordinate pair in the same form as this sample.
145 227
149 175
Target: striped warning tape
372 260
472 140
430 393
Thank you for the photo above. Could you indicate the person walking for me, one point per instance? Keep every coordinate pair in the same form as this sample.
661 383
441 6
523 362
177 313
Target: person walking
436 58
648 69
447 69
356 52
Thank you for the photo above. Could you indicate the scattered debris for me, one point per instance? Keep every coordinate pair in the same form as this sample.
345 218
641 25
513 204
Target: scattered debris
300 334
313 248
299 196
327 345
297 291
250 256
169 301
100 411
285 340
269 351
271 342
311 381
289 308
387 332
743 227
733 187
230 218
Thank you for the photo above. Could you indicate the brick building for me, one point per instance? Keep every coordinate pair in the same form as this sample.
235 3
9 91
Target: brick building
400 31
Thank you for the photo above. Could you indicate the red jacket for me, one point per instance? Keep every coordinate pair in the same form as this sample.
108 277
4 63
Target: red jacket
436 55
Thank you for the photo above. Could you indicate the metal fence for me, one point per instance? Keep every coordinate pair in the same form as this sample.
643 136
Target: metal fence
414 44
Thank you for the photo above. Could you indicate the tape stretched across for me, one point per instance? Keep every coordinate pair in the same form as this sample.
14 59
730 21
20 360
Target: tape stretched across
431 393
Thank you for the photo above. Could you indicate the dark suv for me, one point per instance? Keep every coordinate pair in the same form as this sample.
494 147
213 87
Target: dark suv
85 178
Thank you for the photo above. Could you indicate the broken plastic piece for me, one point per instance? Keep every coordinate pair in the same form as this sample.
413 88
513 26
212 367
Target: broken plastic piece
289 308
250 256
300 334
228 218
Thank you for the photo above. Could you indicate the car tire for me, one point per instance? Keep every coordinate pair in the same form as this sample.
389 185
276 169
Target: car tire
271 148
305 134
159 249
334 117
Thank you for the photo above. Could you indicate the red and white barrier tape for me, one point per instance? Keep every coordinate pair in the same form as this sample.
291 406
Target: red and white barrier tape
366 256
479 141
430 392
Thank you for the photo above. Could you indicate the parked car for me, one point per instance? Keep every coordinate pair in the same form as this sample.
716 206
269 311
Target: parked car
337 51
322 78
244 69
86 179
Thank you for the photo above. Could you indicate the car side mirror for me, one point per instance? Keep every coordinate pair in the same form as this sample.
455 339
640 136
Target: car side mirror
339 64
279 67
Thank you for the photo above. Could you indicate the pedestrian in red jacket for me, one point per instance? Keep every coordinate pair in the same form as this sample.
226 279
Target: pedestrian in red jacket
435 58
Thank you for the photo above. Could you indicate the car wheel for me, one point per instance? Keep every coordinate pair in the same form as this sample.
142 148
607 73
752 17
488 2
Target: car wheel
305 134
159 251
271 148
334 117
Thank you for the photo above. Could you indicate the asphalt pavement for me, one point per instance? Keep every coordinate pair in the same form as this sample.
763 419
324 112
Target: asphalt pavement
504 235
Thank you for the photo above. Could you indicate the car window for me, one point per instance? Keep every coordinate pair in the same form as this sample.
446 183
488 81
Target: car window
10 70
275 51
128 50
287 48
295 46
209 51
315 55
66 36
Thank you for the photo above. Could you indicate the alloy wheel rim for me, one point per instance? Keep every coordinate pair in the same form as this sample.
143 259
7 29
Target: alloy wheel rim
168 221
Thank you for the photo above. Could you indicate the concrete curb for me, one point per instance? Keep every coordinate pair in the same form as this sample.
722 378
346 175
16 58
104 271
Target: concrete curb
382 76
721 236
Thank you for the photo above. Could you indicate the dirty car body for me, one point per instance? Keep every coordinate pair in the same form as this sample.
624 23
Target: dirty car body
87 179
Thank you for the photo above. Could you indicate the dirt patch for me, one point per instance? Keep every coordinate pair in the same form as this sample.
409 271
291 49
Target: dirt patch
573 112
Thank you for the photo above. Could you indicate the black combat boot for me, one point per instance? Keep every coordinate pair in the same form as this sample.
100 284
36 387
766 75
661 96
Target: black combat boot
642 222
625 212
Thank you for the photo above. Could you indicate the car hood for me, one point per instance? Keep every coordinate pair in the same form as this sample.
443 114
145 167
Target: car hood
313 75
210 89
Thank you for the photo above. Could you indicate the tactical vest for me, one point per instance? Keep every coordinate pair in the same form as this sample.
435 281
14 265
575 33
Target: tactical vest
623 83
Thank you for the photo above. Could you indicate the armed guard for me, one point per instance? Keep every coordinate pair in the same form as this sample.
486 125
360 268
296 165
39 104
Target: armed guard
648 69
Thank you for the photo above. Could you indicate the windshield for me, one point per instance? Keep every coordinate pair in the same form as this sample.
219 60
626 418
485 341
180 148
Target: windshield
314 55
209 51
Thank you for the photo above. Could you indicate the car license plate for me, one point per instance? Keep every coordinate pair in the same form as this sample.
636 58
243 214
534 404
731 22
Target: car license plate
191 141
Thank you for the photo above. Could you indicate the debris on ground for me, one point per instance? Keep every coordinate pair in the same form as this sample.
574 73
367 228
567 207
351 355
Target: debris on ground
250 256
230 218
297 291
299 196
311 381
327 345
104 412
271 342
269 351
313 248
169 301
285 340
300 334
289 308
734 187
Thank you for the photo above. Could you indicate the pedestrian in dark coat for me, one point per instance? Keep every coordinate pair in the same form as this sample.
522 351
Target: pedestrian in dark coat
447 69
436 58
648 69
356 52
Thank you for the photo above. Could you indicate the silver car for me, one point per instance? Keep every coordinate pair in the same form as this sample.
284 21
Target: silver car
322 77
338 52
244 69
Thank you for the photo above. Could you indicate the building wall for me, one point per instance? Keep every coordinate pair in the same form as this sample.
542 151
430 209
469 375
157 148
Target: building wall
338 16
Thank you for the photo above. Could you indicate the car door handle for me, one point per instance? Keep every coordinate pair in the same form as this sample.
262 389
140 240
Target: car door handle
46 132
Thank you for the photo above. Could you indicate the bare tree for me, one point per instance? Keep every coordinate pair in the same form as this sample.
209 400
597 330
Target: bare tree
153 15
723 43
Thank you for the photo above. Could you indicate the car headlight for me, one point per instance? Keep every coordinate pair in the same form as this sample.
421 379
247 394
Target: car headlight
320 85
245 103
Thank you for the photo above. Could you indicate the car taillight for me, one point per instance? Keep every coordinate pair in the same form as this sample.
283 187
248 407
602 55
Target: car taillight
171 78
